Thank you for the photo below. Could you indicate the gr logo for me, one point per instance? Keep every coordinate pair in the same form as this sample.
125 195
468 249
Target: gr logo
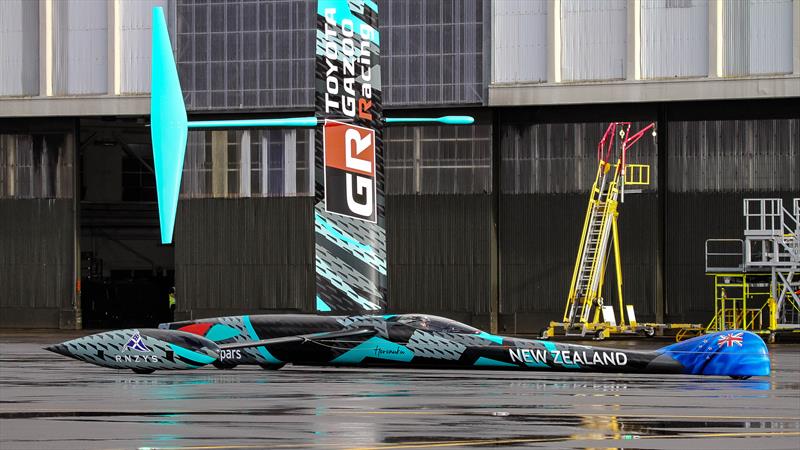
350 188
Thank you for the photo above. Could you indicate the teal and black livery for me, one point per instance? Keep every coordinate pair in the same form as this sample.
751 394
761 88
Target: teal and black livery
350 249
398 340
141 350
425 341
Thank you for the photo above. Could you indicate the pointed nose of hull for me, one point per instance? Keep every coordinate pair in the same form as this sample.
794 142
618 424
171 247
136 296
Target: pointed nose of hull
142 351
61 349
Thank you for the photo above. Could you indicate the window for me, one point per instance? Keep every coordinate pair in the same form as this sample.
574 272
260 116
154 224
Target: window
246 53
438 159
256 54
248 163
36 166
434 324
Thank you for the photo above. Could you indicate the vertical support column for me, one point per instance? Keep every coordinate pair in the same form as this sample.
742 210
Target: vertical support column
494 282
633 67
45 47
796 37
311 152
244 165
11 163
715 51
265 162
417 142
662 128
290 161
70 316
488 46
554 41
219 163
113 47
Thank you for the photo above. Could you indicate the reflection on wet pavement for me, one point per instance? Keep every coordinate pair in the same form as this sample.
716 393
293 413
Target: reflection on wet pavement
51 402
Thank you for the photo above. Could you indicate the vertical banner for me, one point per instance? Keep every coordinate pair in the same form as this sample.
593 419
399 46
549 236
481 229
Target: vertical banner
349 219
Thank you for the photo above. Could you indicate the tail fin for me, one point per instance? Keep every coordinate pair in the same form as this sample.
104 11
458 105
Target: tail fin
734 353
168 125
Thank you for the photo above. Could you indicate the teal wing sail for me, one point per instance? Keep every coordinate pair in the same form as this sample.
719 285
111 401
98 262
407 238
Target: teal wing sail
168 126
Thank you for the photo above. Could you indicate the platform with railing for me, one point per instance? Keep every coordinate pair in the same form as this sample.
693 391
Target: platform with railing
757 278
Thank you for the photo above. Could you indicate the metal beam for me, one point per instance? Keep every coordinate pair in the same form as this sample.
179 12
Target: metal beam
494 280
101 105
643 91
129 151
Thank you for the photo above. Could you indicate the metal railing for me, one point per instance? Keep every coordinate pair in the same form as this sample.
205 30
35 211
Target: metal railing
637 174
763 216
724 255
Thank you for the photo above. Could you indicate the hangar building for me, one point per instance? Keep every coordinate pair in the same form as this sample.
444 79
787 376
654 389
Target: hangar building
483 220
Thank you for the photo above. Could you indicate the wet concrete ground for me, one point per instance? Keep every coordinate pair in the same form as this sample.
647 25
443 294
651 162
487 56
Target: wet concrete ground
51 402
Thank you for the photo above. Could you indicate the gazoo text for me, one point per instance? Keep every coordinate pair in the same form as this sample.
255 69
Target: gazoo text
352 67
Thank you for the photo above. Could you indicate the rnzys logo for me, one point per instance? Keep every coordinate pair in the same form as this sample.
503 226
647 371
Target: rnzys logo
136 343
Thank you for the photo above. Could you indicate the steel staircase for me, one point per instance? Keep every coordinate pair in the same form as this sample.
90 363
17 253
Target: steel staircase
582 314
594 252
585 313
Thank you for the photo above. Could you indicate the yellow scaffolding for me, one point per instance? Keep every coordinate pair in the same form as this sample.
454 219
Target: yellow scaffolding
744 302
585 312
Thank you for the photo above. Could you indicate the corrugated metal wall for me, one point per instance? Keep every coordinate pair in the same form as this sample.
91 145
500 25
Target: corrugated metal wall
439 253
244 256
520 41
771 36
757 37
734 156
539 237
36 261
19 52
713 165
134 43
674 38
736 44
250 255
560 157
593 40
36 224
694 217
80 47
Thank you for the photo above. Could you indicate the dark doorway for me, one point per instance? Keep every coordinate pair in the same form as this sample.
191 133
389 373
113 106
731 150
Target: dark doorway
126 274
